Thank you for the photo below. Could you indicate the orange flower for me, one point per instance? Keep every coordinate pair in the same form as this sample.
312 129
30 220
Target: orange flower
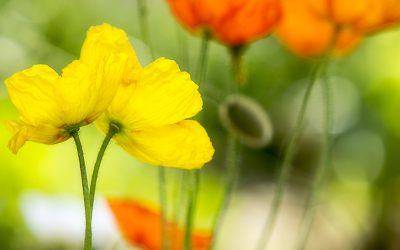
232 22
141 226
309 26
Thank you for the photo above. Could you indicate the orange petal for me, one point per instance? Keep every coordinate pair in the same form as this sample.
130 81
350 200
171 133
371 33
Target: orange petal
299 27
247 21
307 33
141 226
233 22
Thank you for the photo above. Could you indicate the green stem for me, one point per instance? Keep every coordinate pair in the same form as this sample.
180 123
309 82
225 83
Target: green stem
183 48
143 22
179 201
163 205
309 208
232 167
113 129
203 58
85 188
194 180
194 175
237 66
287 159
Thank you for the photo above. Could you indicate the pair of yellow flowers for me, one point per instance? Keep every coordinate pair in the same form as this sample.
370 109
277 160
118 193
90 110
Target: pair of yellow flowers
150 105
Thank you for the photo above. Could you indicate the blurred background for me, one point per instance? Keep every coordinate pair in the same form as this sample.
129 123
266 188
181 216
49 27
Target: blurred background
358 207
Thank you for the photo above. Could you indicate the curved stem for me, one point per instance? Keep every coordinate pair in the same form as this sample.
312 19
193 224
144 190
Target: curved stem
287 159
194 180
309 208
113 129
163 204
85 188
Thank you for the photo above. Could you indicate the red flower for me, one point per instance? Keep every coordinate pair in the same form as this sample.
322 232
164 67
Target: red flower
232 22
141 226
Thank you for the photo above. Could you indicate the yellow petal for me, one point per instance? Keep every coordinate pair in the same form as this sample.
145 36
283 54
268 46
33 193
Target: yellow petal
23 132
104 39
163 95
33 92
182 145
87 91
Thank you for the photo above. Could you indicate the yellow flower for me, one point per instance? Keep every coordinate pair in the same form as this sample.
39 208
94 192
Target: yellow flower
150 113
50 105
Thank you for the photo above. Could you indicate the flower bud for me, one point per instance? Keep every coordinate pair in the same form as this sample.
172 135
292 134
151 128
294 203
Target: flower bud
247 120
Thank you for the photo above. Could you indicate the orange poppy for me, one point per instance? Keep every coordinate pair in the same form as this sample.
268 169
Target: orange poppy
141 226
232 22
309 26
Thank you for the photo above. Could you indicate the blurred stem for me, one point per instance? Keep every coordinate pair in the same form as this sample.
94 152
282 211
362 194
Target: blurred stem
85 188
163 204
232 176
203 58
112 130
194 175
143 22
232 165
193 178
320 172
183 47
288 157
179 201
239 78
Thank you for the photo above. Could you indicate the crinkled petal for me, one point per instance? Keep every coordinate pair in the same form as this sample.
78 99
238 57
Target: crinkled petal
182 145
33 92
86 91
103 40
163 95
23 132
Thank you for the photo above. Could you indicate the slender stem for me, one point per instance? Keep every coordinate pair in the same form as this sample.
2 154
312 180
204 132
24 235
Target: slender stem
232 167
194 175
143 22
287 159
309 208
179 201
113 129
203 59
85 188
183 48
194 180
231 161
237 66
163 204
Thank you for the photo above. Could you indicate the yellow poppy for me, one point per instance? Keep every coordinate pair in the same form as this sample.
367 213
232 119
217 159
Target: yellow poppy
50 105
151 111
